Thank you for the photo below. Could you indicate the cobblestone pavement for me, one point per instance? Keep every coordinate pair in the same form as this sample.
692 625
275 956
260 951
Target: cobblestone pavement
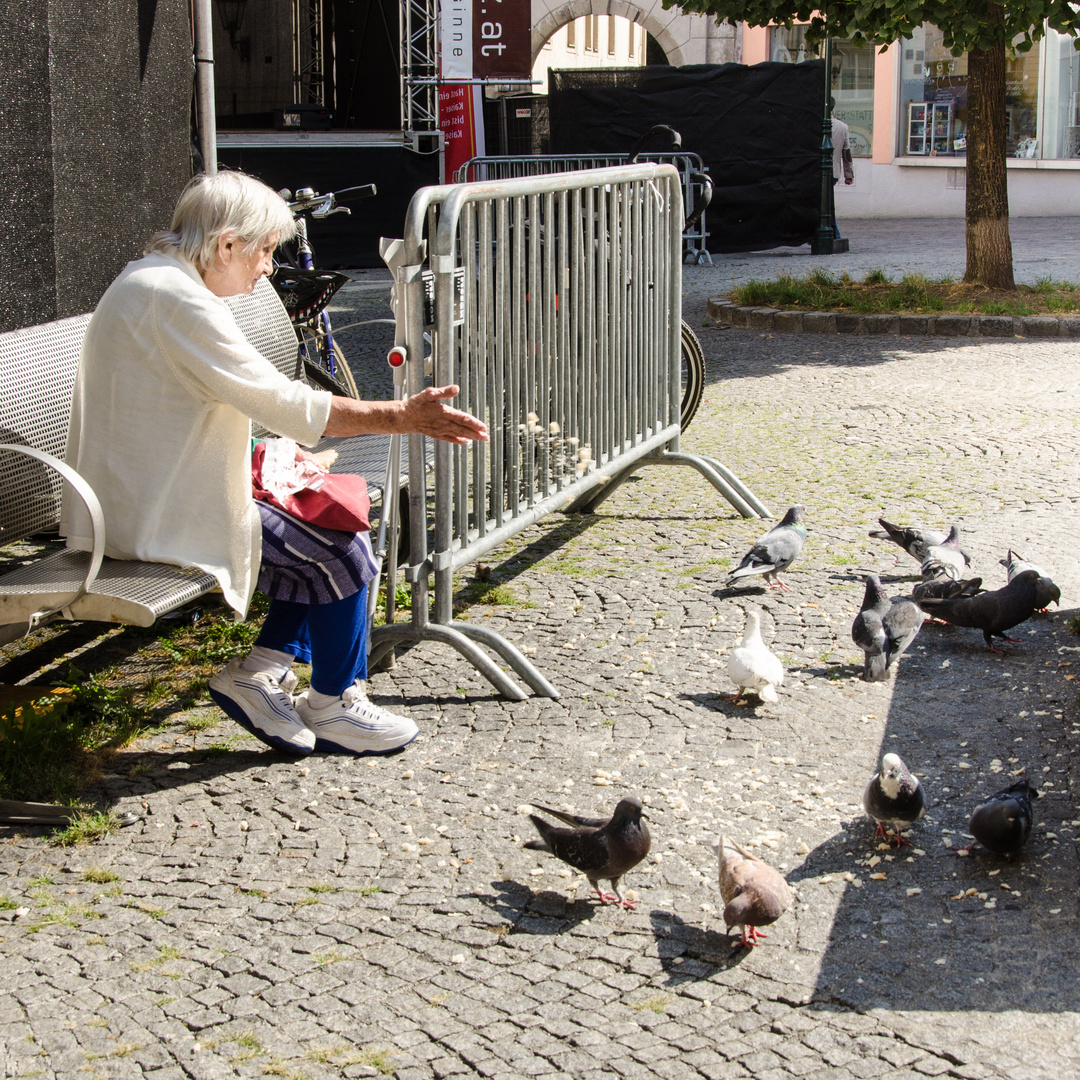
341 917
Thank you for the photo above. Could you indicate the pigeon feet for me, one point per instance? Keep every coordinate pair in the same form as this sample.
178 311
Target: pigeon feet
899 841
750 935
614 898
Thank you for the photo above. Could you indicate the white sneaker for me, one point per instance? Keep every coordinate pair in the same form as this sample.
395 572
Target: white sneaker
262 705
354 725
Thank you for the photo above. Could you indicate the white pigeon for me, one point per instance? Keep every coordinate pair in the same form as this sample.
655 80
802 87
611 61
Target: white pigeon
751 666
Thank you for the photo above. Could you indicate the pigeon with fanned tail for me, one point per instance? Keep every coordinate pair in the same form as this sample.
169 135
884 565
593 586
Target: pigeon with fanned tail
944 587
947 558
754 894
895 798
1003 822
991 612
751 666
1046 592
603 849
914 539
775 551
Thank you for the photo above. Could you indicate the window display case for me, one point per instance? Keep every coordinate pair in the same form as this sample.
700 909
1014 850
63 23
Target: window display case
929 128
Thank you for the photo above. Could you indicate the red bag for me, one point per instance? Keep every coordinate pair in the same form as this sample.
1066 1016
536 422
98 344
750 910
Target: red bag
331 501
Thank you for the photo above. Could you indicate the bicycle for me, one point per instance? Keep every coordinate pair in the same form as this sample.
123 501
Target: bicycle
306 291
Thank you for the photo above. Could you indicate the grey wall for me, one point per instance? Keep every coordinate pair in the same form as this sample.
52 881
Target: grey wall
94 145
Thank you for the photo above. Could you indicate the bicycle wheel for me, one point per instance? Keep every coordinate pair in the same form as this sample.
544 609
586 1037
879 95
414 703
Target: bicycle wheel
341 382
693 376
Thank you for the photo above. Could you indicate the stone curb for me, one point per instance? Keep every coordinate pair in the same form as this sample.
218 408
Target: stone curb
829 322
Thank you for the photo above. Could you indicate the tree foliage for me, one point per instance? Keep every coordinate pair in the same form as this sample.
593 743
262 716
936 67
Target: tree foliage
965 24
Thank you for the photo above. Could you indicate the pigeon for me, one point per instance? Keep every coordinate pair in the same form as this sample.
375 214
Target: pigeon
868 630
914 539
991 612
946 558
1046 592
894 797
883 629
751 666
754 893
944 587
775 551
601 848
1003 823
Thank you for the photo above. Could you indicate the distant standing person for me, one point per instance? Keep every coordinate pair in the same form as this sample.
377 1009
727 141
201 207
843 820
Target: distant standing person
841 158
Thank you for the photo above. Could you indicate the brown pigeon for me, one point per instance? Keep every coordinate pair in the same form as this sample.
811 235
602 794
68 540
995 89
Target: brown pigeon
754 893
602 849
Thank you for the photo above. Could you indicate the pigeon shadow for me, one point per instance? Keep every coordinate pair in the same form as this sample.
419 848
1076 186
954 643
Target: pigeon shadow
525 911
689 953
919 928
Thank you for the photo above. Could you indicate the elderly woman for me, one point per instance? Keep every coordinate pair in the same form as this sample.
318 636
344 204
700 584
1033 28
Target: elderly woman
161 429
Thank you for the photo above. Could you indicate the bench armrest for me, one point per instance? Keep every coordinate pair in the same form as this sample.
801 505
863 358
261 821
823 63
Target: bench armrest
97 527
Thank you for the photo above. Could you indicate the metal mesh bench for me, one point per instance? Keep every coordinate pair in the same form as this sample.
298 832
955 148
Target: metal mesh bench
37 377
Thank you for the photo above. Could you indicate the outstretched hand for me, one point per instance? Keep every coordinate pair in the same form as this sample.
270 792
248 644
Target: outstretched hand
427 414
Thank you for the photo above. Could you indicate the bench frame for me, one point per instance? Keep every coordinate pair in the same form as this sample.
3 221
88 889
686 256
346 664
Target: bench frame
37 377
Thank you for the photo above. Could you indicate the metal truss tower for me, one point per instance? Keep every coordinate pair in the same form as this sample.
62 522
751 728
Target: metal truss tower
309 85
419 72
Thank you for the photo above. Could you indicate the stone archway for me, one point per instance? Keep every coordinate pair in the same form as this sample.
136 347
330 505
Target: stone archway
685 39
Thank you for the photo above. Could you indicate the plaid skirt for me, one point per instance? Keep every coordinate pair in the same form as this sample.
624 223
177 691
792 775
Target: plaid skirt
308 565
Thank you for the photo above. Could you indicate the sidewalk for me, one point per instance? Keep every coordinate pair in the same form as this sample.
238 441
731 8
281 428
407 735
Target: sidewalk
934 247
341 917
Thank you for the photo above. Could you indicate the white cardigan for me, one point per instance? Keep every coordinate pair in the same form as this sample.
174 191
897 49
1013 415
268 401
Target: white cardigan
161 425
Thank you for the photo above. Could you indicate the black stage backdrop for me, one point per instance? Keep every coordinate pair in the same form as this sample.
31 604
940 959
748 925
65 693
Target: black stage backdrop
757 128
341 241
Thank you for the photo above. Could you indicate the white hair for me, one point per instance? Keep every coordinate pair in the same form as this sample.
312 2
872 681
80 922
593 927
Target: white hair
227 203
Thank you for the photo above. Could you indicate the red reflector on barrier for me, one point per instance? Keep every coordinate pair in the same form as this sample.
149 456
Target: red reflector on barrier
396 356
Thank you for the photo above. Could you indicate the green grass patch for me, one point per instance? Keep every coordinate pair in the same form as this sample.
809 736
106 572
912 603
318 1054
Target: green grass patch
915 293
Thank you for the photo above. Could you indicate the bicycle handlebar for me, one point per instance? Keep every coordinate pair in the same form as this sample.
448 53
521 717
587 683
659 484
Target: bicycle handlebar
308 200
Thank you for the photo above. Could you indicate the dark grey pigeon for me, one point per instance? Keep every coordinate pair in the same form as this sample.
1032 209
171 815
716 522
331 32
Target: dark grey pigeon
914 539
991 612
1003 823
944 587
603 849
902 622
775 551
868 630
946 558
895 798
1046 592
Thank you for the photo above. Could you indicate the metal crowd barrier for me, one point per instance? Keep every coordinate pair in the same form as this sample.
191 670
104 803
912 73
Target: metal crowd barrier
554 302
692 172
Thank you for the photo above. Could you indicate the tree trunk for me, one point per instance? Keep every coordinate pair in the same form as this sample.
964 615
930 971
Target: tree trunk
989 247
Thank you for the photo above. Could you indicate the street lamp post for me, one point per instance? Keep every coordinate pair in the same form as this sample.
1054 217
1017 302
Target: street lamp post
825 241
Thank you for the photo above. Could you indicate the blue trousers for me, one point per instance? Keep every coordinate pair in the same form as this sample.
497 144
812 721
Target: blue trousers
330 637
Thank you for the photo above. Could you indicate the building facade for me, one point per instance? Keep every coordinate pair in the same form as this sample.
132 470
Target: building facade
906 107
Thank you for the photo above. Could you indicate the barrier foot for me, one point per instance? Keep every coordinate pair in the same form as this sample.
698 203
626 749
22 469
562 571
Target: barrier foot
383 639
512 655
718 474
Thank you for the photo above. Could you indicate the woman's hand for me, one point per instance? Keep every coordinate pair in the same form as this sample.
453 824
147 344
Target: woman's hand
427 414
422 414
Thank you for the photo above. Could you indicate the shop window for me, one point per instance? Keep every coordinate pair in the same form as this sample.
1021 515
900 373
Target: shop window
852 79
934 98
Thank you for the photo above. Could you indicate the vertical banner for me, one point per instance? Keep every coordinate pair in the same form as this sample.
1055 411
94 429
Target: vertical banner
485 39
461 120
479 40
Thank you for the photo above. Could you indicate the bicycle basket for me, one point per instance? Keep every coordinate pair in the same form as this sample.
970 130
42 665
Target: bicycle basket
305 292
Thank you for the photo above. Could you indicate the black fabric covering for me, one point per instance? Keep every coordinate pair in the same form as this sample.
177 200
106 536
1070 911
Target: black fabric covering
757 128
344 241
94 145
